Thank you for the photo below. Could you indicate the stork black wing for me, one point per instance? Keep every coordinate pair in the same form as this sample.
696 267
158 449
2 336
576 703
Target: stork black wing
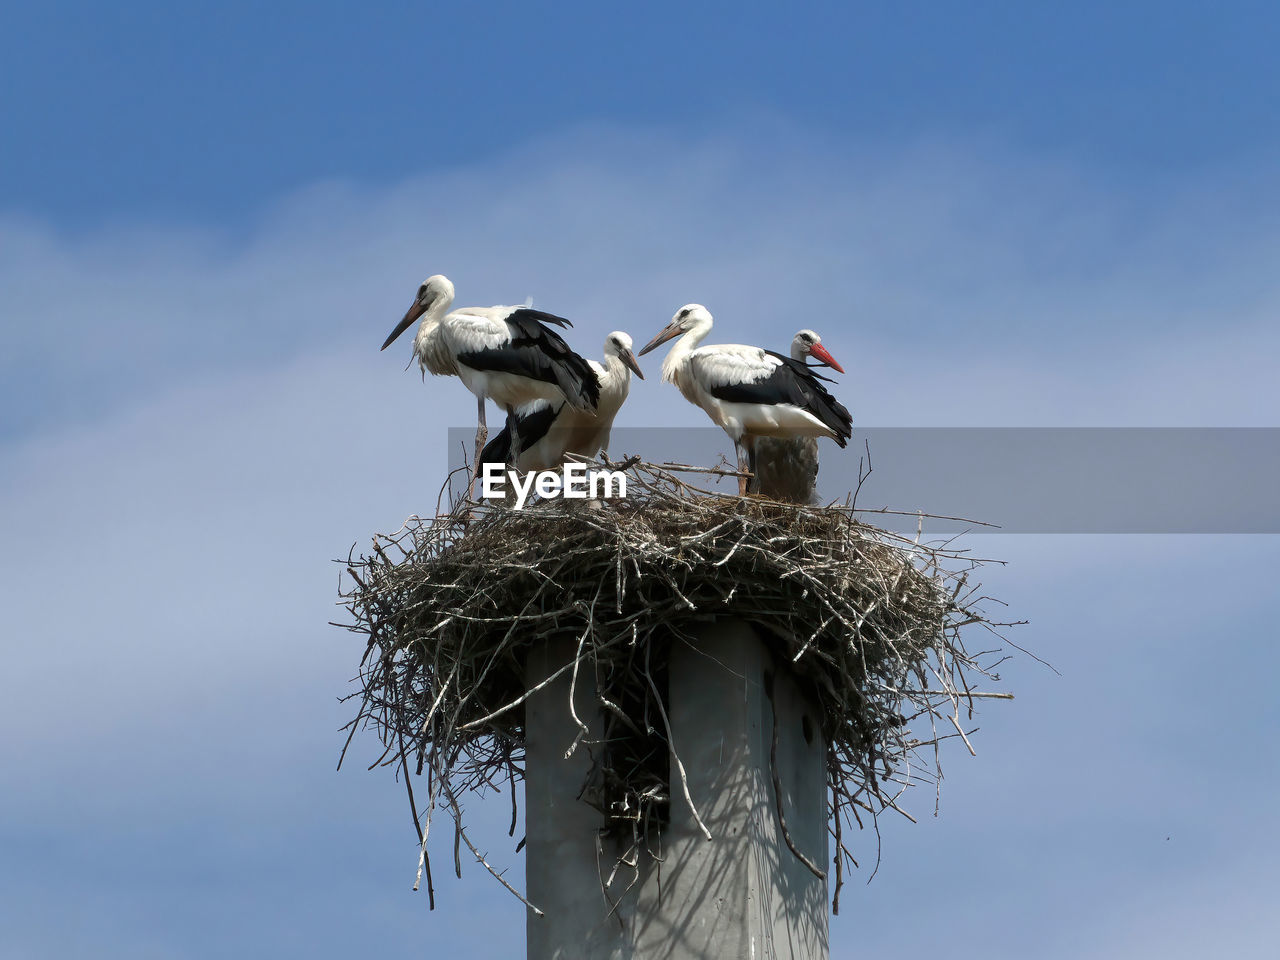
792 382
538 316
539 353
519 434
533 426
812 369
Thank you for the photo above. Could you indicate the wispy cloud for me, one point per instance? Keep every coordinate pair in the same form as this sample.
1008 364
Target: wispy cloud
197 423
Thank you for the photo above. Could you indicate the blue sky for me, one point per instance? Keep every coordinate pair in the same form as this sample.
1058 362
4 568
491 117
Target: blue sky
209 219
206 111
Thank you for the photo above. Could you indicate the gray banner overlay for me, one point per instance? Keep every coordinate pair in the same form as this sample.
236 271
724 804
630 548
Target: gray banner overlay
1019 479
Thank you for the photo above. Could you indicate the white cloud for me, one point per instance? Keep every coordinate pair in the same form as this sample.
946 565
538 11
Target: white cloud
199 422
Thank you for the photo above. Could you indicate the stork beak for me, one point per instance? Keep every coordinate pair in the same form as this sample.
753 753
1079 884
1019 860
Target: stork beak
667 332
819 351
629 359
418 309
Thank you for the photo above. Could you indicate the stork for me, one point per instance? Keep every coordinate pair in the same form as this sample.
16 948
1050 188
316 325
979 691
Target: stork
748 391
508 354
788 469
539 435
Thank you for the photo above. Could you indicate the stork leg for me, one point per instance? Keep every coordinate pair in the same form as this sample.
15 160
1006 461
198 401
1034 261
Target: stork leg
482 437
744 466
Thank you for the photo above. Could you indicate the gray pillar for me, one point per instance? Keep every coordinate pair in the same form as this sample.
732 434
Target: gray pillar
562 875
743 893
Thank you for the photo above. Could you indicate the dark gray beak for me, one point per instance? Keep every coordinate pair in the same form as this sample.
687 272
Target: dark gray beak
667 332
629 359
418 309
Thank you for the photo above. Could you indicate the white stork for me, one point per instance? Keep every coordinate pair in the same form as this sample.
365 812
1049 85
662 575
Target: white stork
539 435
508 354
788 469
748 391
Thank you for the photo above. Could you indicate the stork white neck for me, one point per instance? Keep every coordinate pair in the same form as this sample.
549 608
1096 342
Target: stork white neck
799 348
678 354
614 375
440 291
432 353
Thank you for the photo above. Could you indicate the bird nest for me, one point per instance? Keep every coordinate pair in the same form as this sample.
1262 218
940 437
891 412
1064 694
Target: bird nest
870 622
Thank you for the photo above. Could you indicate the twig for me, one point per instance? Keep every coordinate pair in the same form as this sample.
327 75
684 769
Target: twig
956 723
777 789
457 814
675 757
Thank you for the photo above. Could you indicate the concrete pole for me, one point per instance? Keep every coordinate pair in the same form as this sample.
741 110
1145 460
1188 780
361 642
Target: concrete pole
742 894
562 861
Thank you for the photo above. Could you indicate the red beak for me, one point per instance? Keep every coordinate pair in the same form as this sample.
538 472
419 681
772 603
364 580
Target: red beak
819 351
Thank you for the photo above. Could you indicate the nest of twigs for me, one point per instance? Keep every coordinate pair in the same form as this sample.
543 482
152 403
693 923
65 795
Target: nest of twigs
869 620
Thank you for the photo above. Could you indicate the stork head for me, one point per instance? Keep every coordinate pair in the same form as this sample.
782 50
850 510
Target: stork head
688 317
618 344
433 290
809 344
